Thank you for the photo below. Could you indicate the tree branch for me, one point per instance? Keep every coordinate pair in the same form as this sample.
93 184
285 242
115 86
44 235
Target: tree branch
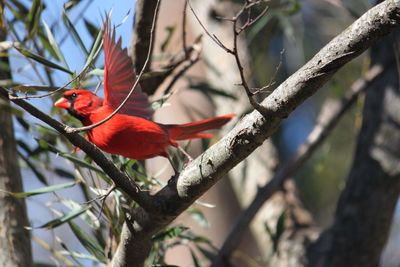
122 181
252 130
14 238
366 206
330 115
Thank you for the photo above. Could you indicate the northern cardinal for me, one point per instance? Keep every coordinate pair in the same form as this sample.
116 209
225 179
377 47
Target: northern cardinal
130 132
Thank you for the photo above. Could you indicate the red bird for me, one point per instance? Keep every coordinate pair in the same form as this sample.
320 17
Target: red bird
130 132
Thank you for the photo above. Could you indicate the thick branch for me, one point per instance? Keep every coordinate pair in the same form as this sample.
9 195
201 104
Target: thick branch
253 129
329 117
15 241
365 209
120 179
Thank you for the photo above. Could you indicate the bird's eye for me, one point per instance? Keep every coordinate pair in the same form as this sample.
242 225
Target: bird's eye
74 95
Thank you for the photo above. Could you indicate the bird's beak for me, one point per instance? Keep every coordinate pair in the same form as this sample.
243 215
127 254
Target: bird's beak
62 103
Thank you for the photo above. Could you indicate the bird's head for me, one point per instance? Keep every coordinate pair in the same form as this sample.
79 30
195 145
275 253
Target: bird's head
79 103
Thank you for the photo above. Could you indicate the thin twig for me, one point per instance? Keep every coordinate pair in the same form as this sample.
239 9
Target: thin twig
212 36
123 182
187 65
47 94
326 122
234 51
69 129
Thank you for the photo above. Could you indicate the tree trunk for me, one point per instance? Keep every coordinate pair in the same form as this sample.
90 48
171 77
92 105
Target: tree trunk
365 209
15 241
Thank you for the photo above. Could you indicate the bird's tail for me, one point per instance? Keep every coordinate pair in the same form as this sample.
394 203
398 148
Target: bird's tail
193 129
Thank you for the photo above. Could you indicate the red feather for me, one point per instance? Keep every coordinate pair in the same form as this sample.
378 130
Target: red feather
129 133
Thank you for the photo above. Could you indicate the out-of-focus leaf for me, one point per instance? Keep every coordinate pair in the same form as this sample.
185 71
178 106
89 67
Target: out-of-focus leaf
20 6
74 32
33 168
64 246
92 29
169 233
88 242
210 255
279 230
32 89
23 123
43 264
54 45
34 17
81 163
94 52
195 259
64 219
280 226
45 145
63 173
71 4
96 72
209 90
42 60
170 32
53 251
89 217
199 217
161 101
43 190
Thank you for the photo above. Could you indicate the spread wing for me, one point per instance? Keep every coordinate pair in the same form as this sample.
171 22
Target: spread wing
120 76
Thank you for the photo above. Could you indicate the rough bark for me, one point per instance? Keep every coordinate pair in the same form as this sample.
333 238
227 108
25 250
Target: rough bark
365 208
257 169
15 240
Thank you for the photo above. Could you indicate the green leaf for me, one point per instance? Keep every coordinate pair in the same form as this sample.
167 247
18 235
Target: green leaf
91 28
96 72
210 255
34 17
63 173
65 218
45 145
88 242
210 91
74 32
42 60
89 217
169 233
195 259
161 101
94 52
33 168
280 226
54 45
199 217
32 89
43 190
71 4
170 32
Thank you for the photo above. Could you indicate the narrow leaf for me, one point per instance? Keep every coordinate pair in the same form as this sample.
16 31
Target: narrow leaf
34 17
54 45
43 190
89 243
64 219
74 32
169 233
42 60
